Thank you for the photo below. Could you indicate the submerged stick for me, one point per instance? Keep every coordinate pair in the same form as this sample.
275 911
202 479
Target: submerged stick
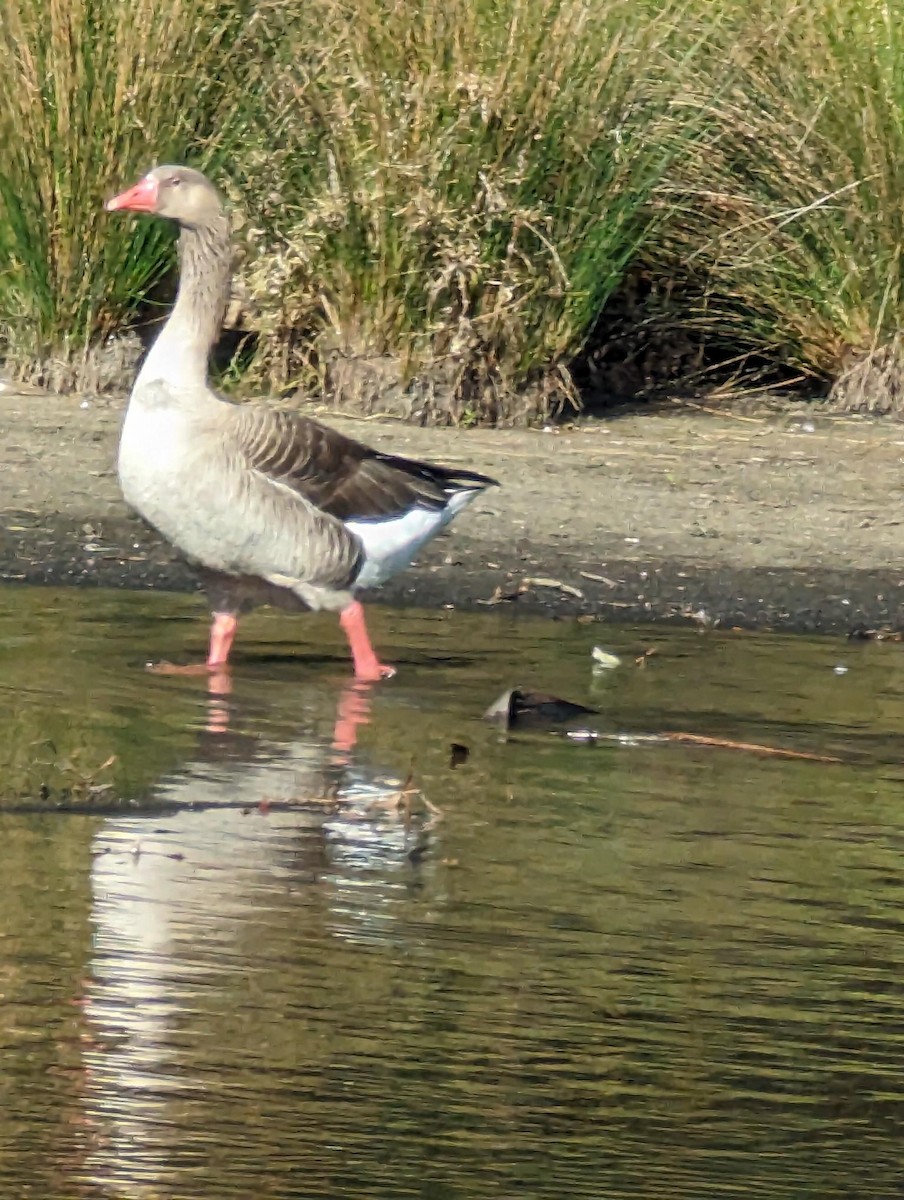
700 739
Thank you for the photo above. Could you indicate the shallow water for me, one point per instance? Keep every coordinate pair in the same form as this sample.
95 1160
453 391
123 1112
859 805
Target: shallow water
232 964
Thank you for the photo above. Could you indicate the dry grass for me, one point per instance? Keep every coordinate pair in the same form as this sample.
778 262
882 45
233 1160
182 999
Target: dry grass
787 224
450 192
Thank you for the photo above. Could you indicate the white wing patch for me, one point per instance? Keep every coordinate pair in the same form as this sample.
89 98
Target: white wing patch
391 544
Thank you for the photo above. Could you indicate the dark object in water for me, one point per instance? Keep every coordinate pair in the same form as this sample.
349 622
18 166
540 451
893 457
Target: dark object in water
458 754
418 853
515 707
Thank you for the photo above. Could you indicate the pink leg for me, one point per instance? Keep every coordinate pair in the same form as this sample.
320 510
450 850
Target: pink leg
222 631
367 665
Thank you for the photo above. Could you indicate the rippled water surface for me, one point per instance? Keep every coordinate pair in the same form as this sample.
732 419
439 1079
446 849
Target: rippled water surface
236 962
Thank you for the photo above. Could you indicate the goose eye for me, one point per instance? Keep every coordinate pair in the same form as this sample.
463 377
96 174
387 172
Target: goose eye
174 181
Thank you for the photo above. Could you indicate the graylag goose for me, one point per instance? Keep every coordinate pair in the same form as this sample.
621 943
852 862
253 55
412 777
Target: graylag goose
271 507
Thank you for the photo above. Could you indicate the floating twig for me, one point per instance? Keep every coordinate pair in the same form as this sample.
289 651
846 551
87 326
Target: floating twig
699 739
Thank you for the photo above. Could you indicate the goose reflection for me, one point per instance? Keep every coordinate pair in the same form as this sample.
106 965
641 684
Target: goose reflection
257 851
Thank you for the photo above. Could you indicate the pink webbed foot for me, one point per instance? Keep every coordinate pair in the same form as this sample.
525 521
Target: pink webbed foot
368 668
222 632
167 668
374 672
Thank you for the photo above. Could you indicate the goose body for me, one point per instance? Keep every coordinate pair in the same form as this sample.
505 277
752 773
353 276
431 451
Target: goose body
270 506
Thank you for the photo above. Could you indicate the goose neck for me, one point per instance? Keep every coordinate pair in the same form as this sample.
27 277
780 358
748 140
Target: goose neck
179 356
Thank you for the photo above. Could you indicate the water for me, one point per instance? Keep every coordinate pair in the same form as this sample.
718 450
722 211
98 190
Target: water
233 964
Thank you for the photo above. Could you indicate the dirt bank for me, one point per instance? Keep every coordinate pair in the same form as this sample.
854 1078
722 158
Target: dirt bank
783 521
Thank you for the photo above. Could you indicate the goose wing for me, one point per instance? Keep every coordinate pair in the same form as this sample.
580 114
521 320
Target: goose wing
340 476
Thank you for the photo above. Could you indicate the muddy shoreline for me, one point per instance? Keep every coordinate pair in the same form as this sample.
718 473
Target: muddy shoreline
787 521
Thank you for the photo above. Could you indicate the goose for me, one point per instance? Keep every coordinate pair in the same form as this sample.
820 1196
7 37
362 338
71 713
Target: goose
269 506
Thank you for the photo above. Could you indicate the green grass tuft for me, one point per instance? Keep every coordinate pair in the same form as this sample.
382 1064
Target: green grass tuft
92 93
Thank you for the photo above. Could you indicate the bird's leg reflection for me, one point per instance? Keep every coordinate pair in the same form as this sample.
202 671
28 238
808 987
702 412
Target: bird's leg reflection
219 689
352 710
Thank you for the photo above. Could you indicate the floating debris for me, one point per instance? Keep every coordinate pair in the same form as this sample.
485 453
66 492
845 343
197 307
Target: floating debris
515 707
604 660
699 739
458 755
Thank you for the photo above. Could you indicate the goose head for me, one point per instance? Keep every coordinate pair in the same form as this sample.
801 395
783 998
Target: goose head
179 193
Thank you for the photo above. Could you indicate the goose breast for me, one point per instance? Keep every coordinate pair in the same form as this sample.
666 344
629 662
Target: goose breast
223 515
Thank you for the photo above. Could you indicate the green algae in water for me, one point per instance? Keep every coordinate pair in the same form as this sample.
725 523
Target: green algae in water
604 969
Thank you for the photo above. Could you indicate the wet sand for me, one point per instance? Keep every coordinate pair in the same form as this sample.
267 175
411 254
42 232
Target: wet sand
786 521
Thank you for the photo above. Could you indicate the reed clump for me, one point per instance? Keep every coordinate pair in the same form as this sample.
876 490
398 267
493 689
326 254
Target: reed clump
450 192
439 197
438 201
785 229
91 92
